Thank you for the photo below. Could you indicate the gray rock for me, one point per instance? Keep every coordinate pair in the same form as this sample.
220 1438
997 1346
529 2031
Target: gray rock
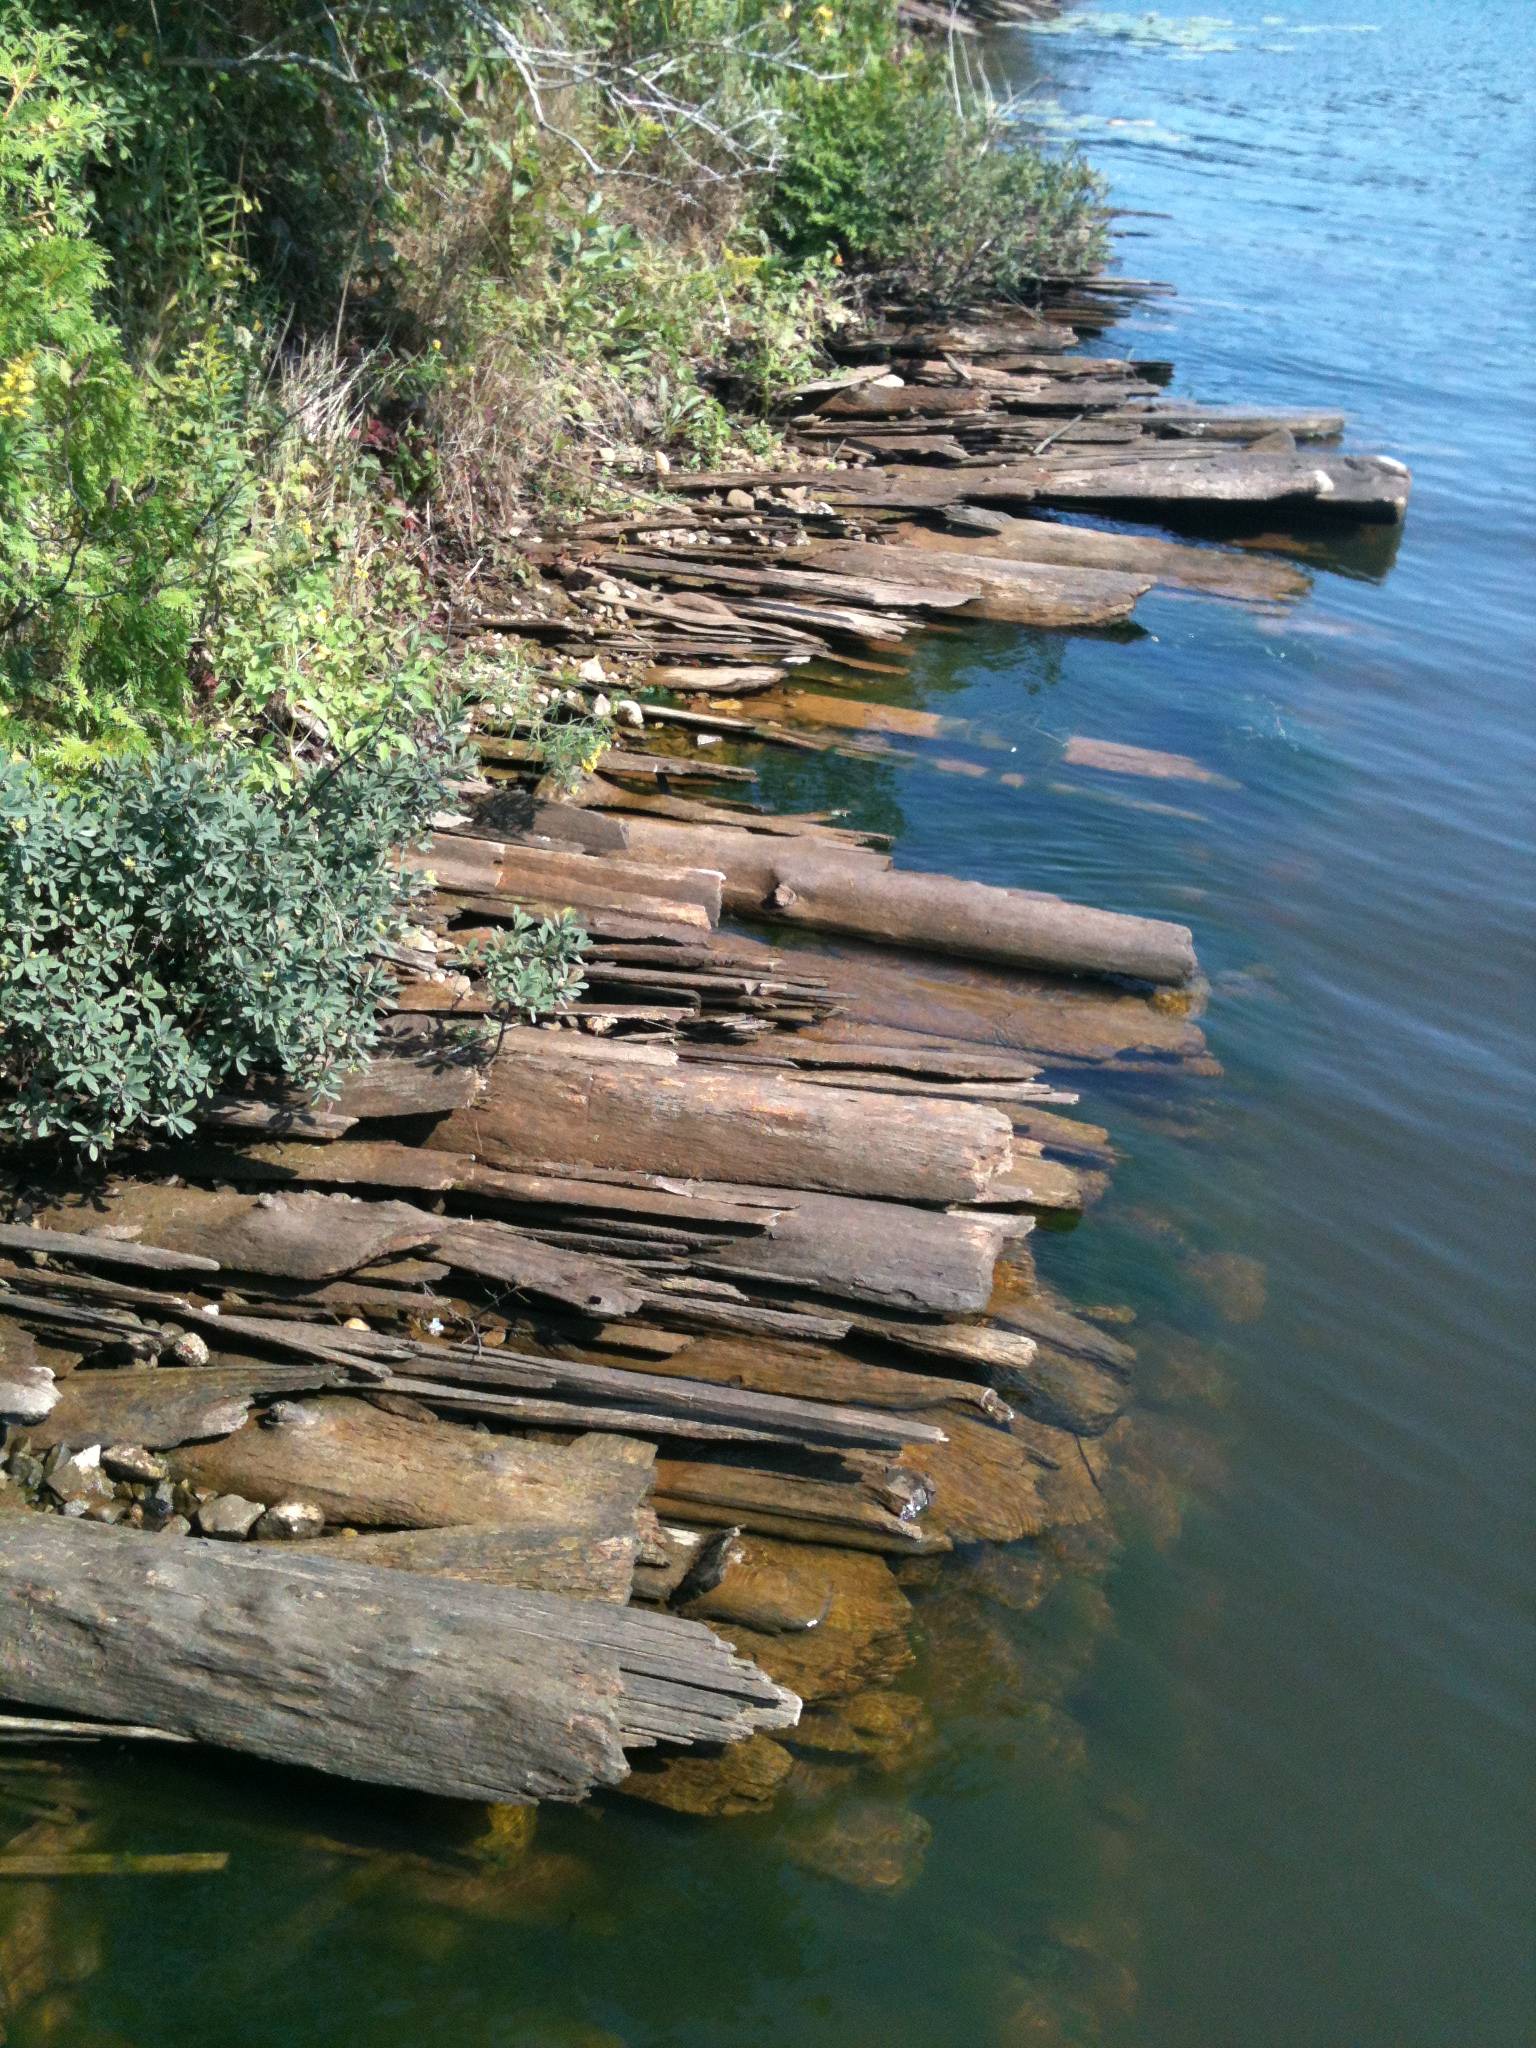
133 1463
187 1349
27 1392
178 1525
228 1517
79 1477
290 1521
26 1471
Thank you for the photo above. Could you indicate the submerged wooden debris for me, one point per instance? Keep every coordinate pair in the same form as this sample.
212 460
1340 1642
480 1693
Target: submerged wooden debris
561 1395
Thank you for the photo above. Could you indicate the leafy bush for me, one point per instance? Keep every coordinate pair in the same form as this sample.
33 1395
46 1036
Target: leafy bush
179 539
531 966
112 486
917 180
165 930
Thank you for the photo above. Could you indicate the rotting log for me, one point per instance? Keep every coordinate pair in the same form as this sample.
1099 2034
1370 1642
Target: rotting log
716 1124
591 1558
493 867
815 1372
844 1513
1222 572
1030 593
887 1254
467 1690
162 1408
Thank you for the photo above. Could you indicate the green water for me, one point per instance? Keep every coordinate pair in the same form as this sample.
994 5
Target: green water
1264 1782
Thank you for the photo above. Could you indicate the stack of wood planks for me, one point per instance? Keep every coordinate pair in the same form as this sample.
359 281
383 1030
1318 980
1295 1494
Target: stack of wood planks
920 450
560 1394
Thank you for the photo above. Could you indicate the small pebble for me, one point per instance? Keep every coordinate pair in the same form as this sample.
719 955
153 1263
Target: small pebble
133 1463
229 1517
290 1521
188 1348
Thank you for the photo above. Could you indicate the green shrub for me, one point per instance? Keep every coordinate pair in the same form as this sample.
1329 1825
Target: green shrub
531 966
919 183
165 931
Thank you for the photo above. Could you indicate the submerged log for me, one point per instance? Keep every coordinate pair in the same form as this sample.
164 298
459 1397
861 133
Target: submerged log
843 890
829 1622
473 1691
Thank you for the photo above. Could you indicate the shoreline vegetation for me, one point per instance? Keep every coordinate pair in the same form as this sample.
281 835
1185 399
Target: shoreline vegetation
473 1174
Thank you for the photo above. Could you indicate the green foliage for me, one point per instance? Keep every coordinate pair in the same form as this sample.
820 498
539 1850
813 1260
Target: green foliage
912 178
179 539
114 486
165 931
261 136
531 967
567 731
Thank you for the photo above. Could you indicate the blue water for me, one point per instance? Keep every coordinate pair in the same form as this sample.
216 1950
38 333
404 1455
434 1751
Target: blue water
1265 1781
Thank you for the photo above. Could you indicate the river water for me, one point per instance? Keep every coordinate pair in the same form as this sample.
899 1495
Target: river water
1266 1783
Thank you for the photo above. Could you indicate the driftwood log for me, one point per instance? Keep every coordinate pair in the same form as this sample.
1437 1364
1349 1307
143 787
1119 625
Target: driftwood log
470 1690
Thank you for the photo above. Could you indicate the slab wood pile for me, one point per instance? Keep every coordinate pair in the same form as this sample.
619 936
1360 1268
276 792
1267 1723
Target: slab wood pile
919 447
560 1392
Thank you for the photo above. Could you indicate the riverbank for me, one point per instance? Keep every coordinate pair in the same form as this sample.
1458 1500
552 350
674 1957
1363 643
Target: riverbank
721 1212
1240 1745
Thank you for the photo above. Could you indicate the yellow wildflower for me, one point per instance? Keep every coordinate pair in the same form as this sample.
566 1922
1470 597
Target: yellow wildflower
18 381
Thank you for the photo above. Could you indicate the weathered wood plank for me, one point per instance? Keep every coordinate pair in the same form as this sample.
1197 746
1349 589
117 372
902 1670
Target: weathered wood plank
442 1685
717 1124
369 1469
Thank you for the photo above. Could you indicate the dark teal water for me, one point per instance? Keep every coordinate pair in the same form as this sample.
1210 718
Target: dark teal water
1280 1794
